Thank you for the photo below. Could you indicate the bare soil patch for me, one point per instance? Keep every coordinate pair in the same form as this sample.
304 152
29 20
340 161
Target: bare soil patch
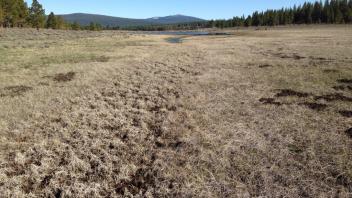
64 77
13 91
270 101
345 81
342 88
315 106
347 114
349 132
330 71
101 59
334 97
289 56
290 92
295 149
265 66
319 58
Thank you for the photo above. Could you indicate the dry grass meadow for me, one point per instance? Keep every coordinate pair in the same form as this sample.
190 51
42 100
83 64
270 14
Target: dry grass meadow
260 113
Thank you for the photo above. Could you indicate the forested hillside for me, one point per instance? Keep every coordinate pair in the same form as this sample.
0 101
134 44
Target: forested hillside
330 12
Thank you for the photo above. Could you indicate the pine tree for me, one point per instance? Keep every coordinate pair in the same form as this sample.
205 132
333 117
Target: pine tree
349 14
36 15
248 21
99 27
317 12
338 18
7 16
2 12
60 23
75 26
308 11
325 13
256 21
92 26
51 22
211 23
21 13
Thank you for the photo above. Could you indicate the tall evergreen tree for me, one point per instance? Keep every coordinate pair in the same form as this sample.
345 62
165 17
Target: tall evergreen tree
75 26
256 21
248 21
51 22
349 14
92 26
317 12
337 11
22 13
8 7
36 15
308 11
60 23
2 13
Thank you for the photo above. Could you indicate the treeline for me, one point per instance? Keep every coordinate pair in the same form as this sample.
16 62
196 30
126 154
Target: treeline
16 13
92 26
330 12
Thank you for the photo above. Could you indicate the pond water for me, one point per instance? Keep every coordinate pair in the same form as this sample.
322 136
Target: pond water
183 34
174 40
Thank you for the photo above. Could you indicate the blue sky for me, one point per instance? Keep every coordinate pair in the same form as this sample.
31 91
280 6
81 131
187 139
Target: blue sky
206 9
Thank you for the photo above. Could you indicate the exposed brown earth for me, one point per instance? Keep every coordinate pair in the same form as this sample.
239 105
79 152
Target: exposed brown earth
346 113
64 77
349 132
315 106
13 91
334 97
289 92
346 81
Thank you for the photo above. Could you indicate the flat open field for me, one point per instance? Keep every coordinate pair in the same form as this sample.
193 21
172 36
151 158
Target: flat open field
116 114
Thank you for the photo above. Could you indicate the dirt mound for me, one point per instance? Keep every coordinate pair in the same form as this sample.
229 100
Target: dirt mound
270 101
330 71
315 106
64 77
347 114
101 59
13 91
342 88
349 132
334 97
345 81
318 58
290 92
287 56
265 66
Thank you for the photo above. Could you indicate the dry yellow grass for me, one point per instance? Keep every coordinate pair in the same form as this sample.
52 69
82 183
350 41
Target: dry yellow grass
116 114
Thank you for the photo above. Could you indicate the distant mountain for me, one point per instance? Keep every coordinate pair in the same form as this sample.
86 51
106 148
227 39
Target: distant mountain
173 19
86 19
